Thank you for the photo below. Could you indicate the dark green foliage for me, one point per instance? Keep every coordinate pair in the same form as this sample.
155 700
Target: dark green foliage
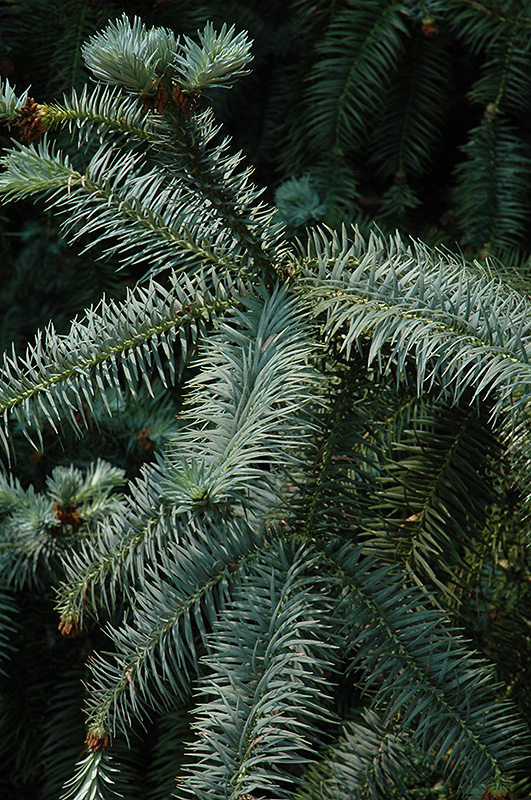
386 116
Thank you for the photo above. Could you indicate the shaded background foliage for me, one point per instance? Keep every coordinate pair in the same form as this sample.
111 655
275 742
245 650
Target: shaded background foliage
406 115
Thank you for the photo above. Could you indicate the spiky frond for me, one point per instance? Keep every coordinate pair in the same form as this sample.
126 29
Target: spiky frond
482 25
115 561
224 466
39 527
265 691
158 648
436 489
404 141
504 86
10 103
129 54
60 376
368 756
417 664
259 426
101 110
245 431
206 187
492 191
464 329
93 779
354 62
138 216
217 60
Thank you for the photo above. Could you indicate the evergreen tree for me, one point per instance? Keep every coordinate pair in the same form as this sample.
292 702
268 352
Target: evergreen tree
274 606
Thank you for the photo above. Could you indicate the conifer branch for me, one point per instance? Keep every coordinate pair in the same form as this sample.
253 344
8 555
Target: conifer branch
60 376
429 668
266 691
463 329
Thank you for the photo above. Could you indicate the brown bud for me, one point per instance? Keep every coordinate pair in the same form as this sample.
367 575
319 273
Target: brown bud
144 441
97 742
154 102
68 518
188 103
429 28
30 121
70 628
